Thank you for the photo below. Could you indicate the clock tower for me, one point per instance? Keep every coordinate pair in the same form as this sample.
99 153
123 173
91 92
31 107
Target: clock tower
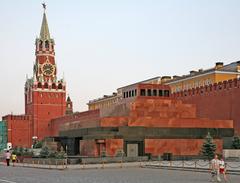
45 94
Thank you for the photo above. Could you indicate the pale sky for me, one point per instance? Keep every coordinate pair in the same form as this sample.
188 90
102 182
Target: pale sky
102 45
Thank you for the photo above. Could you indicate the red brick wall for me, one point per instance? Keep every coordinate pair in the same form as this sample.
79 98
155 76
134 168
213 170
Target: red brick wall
218 101
85 119
46 106
19 130
179 147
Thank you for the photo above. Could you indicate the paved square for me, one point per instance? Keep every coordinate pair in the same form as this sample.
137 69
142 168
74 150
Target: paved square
125 175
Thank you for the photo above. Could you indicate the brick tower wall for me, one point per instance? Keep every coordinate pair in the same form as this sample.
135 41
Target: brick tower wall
19 130
46 106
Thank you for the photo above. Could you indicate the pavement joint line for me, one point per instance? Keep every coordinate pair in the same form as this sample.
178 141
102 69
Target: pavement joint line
8 181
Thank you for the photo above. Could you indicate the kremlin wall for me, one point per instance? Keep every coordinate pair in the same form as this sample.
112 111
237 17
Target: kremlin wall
218 101
151 117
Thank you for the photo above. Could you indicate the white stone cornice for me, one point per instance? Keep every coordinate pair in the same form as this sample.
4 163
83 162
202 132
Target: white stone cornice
50 90
46 54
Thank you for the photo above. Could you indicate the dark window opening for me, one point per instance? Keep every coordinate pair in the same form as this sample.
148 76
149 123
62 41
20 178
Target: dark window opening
142 92
59 86
53 86
39 85
130 93
166 93
135 92
40 45
149 92
124 94
45 85
160 93
154 92
46 44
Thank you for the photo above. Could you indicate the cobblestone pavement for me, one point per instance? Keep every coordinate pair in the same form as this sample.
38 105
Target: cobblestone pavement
114 175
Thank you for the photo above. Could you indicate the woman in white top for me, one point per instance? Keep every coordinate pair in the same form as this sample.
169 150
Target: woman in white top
8 156
215 169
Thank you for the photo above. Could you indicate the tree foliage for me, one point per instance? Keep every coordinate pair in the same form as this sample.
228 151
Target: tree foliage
46 153
20 151
38 144
208 147
236 142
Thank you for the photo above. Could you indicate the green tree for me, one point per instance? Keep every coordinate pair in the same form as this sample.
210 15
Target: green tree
236 142
38 144
44 153
20 151
208 147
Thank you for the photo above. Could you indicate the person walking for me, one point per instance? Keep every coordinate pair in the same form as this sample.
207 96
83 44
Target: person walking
7 157
14 158
215 169
222 169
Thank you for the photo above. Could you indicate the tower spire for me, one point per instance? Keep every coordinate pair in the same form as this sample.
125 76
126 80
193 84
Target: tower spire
44 33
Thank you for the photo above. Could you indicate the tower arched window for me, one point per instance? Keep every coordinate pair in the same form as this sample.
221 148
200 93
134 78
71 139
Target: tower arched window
46 44
39 85
46 85
53 86
40 44
60 86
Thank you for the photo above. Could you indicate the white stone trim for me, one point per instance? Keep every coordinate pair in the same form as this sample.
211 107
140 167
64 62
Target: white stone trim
48 90
45 54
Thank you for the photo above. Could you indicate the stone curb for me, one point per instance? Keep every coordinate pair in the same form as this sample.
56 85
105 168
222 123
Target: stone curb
79 167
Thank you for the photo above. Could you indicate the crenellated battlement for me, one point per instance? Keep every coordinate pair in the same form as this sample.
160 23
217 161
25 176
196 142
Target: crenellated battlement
216 87
17 117
76 116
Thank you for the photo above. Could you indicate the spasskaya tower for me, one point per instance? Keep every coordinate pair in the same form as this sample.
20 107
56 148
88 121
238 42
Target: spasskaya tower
45 94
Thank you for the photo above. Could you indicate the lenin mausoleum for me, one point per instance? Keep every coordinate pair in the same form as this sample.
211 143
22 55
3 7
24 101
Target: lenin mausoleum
156 116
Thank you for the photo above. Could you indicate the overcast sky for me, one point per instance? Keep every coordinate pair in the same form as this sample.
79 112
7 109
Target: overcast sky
105 44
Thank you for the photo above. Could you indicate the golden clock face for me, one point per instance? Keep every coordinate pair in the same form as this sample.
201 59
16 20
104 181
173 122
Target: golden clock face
48 69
